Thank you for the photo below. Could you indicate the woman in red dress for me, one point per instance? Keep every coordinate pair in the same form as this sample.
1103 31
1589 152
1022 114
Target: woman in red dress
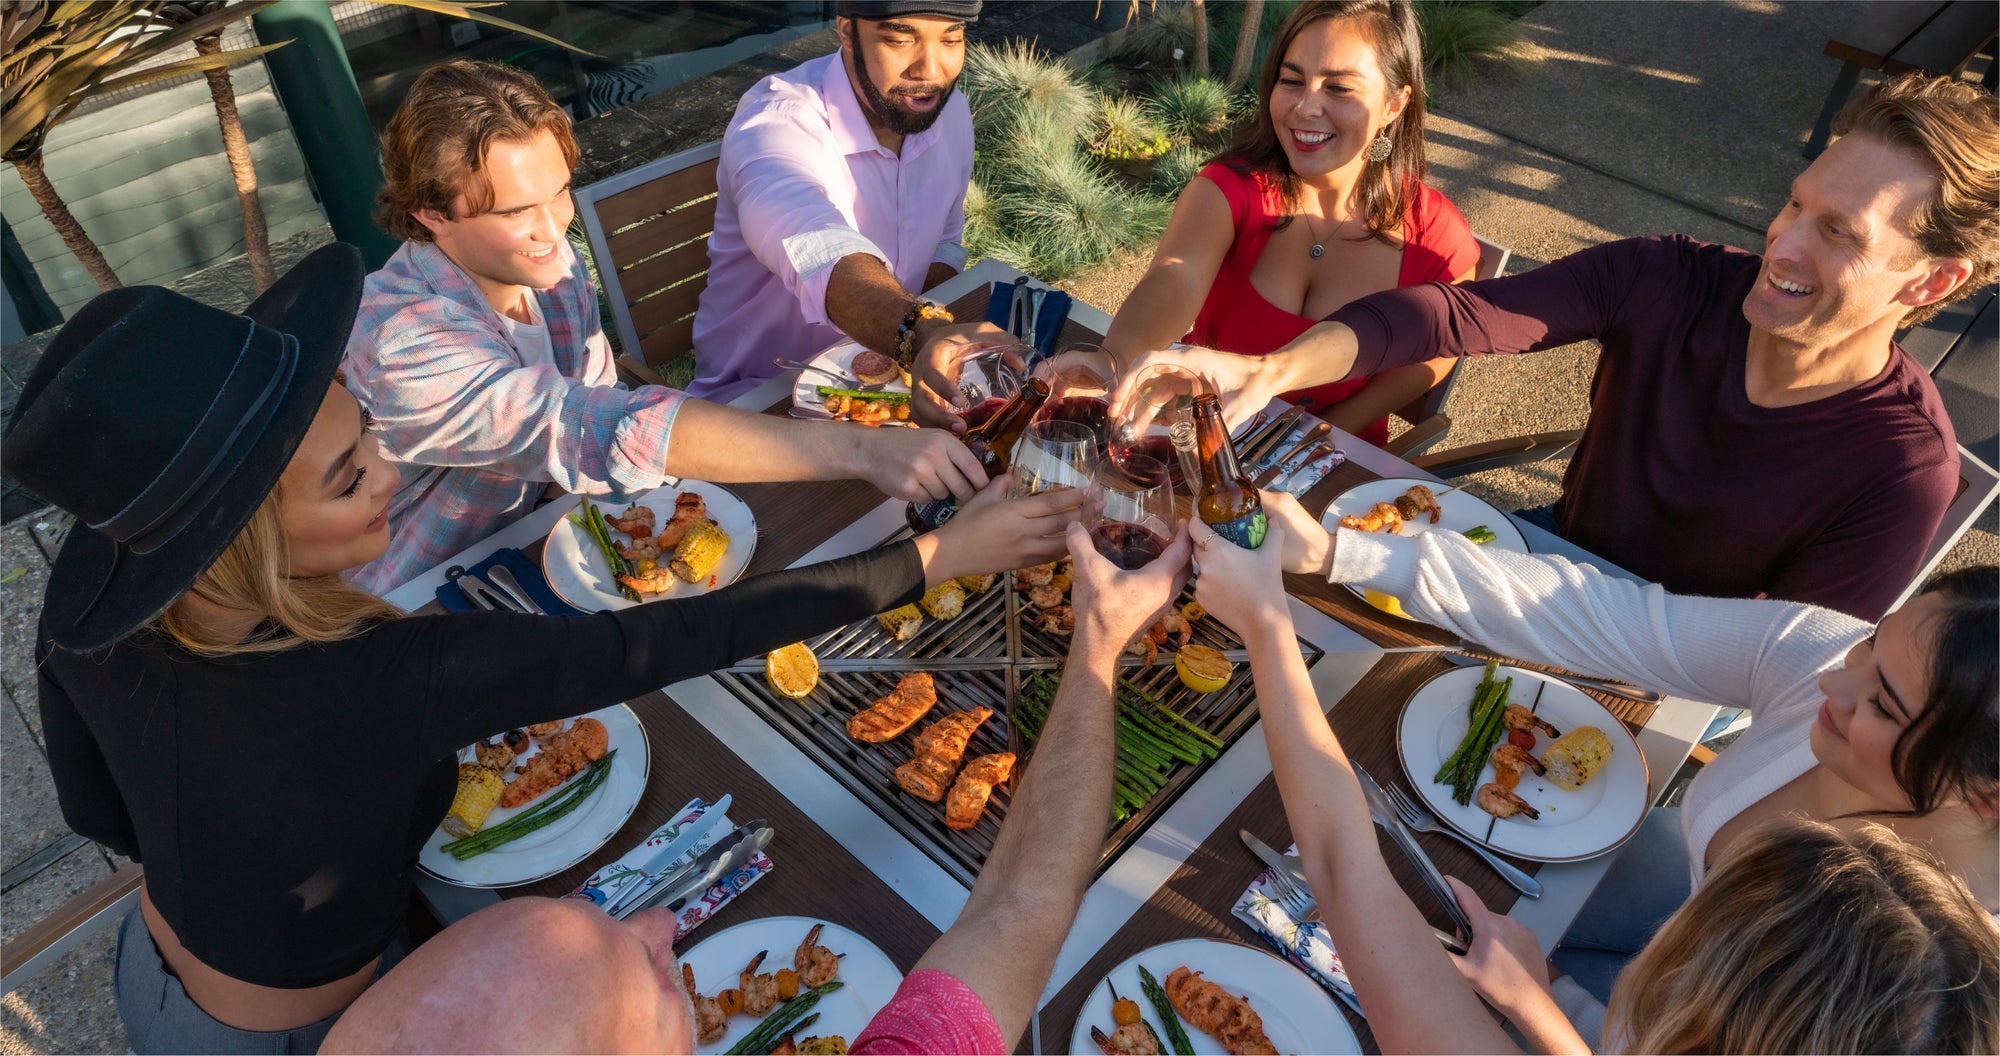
1320 200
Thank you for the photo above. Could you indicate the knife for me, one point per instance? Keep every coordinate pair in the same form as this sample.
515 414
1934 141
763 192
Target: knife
1385 815
697 875
1279 430
693 835
1277 466
511 587
1290 865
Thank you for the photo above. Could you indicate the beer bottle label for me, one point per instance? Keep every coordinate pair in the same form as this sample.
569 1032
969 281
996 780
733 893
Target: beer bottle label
934 513
1246 532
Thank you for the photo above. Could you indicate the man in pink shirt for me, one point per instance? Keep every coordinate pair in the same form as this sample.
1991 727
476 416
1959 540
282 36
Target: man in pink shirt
842 196
558 975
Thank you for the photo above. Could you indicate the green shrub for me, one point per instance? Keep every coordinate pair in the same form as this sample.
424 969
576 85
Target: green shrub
1461 37
1154 34
1194 110
1126 133
1175 168
1002 82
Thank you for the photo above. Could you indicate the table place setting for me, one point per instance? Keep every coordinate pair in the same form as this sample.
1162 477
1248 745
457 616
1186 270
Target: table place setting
693 865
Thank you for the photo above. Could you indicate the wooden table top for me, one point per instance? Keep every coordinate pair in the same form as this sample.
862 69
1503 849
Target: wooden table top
1196 901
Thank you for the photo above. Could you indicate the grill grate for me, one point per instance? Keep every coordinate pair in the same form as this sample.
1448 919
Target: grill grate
974 665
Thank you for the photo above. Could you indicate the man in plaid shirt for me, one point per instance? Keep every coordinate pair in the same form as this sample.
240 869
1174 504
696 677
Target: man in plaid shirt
479 352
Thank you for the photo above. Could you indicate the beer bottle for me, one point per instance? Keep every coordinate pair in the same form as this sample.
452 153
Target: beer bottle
992 442
1226 502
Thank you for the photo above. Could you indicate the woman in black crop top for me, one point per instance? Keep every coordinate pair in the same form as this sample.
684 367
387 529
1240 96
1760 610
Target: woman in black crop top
273 744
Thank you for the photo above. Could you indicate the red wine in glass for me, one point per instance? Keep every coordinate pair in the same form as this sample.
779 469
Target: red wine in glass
977 416
1128 546
1092 412
1155 447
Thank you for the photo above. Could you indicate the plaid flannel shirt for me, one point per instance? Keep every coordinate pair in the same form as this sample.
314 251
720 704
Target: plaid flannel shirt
477 435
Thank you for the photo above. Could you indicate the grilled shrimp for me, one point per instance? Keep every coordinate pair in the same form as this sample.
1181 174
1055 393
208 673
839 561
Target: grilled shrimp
1496 800
1036 575
1132 1039
1517 759
1045 596
636 521
641 548
1418 500
710 1021
657 580
1382 517
1058 620
760 992
815 963
1520 718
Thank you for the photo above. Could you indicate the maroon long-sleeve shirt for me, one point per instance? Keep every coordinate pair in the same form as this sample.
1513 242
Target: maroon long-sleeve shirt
1679 477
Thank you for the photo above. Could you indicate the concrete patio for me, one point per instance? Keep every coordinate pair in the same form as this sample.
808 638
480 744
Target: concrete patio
1622 119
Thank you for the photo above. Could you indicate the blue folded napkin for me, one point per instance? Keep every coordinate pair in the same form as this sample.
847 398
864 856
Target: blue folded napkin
525 572
1048 322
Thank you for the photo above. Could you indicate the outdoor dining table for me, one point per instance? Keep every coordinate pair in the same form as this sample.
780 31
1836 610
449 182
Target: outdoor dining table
838 860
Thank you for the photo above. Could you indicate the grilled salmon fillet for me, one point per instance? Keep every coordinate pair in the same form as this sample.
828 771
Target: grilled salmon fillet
1217 1012
889 716
562 757
690 509
939 748
968 796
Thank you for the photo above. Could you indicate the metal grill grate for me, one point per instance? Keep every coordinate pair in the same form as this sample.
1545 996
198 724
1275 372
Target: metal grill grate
973 664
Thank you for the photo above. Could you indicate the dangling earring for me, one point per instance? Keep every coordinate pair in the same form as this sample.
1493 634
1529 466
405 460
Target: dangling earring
1380 147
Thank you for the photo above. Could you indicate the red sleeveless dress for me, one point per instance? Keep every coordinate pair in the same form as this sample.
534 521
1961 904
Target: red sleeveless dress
1439 247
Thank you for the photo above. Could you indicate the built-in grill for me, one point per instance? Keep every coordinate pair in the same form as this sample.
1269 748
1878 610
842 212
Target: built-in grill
976 660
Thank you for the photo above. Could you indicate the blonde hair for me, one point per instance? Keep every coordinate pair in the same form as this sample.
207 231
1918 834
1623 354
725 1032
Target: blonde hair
1953 128
1809 939
251 576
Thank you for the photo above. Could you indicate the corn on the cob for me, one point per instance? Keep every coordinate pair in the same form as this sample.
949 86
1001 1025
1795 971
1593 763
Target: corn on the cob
826 1045
944 601
479 789
700 551
978 584
1577 756
902 624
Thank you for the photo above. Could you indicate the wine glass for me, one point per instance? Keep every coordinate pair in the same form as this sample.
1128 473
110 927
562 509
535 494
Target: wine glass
1153 416
1081 378
985 377
1053 454
1131 510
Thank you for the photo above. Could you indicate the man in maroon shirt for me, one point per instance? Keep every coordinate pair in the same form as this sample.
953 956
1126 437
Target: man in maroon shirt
1754 428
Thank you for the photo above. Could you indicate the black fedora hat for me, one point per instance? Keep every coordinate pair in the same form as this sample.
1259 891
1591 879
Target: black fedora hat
162 424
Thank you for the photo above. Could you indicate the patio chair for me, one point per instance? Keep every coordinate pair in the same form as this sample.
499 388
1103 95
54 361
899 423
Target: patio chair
648 230
104 902
1425 414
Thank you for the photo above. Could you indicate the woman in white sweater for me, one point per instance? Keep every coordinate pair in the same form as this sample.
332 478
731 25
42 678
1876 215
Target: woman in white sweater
1897 724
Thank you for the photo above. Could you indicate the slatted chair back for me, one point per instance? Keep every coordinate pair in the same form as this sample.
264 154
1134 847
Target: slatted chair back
648 230
1425 414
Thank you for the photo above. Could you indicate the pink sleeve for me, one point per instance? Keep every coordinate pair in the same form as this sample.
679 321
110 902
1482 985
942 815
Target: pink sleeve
932 1012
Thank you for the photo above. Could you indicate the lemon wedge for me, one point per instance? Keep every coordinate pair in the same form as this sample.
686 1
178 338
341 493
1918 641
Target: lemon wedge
1202 669
792 670
1385 602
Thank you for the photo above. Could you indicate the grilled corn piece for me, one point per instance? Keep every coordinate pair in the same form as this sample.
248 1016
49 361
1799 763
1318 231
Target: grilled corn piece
978 584
479 789
945 600
700 551
1577 756
902 624
827 1045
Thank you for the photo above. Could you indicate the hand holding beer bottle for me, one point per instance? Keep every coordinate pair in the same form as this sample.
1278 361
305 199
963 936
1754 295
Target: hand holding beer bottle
992 442
1226 501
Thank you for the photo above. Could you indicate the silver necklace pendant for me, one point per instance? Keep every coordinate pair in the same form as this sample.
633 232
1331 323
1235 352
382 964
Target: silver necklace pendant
1318 251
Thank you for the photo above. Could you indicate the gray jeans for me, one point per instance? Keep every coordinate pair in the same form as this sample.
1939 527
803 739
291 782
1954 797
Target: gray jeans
1638 893
160 1017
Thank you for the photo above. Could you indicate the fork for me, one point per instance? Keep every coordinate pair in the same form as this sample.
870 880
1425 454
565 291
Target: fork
1416 817
1297 901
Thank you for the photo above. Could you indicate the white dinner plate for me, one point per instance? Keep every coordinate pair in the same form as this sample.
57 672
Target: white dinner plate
580 575
1298 1016
870 975
1574 825
1458 511
566 840
806 400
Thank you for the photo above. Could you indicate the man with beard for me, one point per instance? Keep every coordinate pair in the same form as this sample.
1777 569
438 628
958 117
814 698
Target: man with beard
842 197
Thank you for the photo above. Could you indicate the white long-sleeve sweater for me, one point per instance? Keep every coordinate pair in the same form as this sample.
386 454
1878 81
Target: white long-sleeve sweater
1765 656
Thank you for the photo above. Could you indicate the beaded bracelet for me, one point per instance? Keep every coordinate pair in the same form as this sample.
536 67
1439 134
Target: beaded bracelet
906 334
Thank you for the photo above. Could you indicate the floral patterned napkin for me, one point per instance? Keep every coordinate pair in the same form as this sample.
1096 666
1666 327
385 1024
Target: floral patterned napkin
616 880
1302 942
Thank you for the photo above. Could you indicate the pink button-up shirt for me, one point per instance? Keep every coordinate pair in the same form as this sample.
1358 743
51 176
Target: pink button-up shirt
803 182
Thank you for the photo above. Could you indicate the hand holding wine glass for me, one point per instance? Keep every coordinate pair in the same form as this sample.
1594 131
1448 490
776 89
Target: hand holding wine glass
1081 378
1054 454
1131 510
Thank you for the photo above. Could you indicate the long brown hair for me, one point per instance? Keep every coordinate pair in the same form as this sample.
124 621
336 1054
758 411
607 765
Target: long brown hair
1385 186
435 146
1808 939
251 576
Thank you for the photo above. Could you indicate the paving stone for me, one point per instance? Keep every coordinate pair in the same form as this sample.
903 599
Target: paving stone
25 572
31 900
69 1005
32 819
